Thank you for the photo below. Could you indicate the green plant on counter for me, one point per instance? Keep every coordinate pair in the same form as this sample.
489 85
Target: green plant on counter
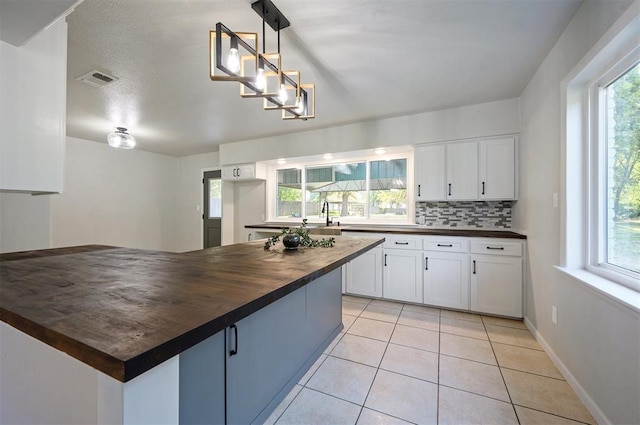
305 239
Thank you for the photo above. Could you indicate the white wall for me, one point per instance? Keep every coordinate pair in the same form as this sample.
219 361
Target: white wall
115 197
596 340
250 207
487 119
190 197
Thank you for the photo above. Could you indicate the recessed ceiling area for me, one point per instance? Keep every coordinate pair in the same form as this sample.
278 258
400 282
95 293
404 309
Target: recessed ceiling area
369 59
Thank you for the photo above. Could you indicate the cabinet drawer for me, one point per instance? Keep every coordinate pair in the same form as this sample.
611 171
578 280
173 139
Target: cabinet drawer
496 247
403 242
445 244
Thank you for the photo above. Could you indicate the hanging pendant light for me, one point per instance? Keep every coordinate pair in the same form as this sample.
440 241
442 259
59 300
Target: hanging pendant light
121 139
260 74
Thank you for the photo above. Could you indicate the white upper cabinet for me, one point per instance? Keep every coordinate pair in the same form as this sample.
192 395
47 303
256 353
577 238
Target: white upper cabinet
33 87
255 171
462 171
497 178
429 164
466 171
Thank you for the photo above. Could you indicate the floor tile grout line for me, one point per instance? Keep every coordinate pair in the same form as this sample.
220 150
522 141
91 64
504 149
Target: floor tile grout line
334 396
520 346
533 373
466 336
553 414
392 416
469 360
375 375
504 381
474 393
353 361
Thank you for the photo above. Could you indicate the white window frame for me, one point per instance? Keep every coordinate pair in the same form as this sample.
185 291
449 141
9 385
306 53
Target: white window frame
580 201
598 172
272 183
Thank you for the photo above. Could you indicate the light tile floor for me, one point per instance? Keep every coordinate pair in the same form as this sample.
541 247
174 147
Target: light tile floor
398 363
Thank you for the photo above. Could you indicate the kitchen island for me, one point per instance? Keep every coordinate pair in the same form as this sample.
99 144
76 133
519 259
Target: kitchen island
114 335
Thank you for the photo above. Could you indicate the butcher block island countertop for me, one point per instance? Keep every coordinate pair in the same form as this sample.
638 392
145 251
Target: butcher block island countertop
124 311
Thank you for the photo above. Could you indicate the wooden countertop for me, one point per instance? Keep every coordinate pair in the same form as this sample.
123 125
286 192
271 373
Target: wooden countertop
124 311
473 233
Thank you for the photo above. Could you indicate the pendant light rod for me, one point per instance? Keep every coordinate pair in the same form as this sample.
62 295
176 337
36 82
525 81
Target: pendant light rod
270 13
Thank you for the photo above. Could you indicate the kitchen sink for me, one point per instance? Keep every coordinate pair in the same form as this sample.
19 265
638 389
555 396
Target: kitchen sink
324 230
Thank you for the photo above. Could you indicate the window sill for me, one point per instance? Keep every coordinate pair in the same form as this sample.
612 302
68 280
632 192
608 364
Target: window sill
614 291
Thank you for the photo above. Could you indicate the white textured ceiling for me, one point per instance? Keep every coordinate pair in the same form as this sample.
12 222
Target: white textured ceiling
368 58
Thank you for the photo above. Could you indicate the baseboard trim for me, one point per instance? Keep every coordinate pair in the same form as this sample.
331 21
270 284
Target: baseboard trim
582 394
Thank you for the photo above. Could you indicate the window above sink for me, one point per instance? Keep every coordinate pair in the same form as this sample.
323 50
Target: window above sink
365 189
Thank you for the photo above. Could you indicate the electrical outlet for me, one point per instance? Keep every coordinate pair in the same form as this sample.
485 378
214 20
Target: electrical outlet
555 199
554 315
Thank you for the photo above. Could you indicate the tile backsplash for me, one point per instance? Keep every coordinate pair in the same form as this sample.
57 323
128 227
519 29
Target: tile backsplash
482 215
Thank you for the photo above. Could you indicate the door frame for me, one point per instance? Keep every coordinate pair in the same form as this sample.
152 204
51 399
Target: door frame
201 203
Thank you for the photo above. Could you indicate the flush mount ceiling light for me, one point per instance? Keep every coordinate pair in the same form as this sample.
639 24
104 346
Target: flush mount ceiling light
234 56
121 139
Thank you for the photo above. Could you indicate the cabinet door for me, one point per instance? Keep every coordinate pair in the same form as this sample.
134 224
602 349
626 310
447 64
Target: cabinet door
271 346
497 169
496 285
462 171
402 277
364 274
201 392
33 91
429 166
446 279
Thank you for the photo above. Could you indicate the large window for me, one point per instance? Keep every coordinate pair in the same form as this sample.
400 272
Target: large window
374 191
620 138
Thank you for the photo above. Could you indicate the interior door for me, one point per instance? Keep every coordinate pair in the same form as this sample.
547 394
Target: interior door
212 208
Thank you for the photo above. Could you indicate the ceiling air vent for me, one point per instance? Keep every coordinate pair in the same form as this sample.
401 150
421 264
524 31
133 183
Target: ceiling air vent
96 78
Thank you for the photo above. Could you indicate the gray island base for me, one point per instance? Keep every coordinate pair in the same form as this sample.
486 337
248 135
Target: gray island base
262 357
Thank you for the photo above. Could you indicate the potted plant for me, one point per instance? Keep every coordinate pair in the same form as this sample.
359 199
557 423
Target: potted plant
292 238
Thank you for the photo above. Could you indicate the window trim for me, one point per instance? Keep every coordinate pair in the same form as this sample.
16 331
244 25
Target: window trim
579 202
272 183
598 171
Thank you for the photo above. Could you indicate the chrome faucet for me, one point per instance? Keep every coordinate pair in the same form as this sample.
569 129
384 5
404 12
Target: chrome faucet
325 210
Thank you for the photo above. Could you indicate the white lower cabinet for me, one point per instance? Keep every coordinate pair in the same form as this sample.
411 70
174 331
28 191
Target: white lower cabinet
483 275
402 276
496 285
446 279
364 274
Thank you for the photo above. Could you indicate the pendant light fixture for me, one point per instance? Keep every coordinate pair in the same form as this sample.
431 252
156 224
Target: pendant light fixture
234 56
121 139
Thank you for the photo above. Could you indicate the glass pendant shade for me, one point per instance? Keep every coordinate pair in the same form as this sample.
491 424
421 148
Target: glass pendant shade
121 139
